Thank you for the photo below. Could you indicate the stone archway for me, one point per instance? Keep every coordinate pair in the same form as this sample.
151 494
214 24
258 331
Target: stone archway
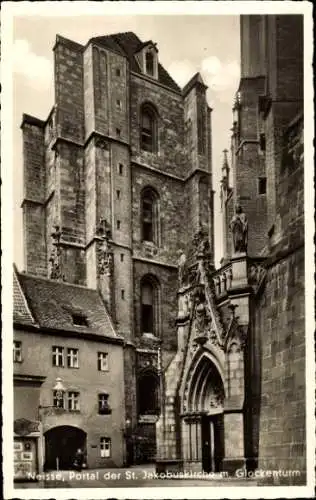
61 444
203 422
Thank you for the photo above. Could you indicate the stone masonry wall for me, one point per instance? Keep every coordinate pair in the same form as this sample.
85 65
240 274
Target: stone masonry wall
34 197
69 94
280 318
173 213
167 279
250 166
171 157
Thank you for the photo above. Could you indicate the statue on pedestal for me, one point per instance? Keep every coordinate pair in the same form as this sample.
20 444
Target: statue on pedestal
105 253
239 229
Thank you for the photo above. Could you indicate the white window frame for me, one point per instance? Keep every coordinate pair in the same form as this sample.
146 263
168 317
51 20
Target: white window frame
58 355
55 400
103 402
103 362
72 357
73 401
17 351
105 447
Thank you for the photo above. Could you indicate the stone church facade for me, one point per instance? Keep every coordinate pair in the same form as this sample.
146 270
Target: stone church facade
117 180
119 199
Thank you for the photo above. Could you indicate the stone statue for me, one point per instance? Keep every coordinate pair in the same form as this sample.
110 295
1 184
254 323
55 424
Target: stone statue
55 258
105 253
239 228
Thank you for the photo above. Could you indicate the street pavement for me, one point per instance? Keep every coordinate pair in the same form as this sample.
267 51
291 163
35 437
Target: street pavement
132 477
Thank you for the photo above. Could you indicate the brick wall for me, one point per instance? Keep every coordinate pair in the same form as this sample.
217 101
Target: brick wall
280 319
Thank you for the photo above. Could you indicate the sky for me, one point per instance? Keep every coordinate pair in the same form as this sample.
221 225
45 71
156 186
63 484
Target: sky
186 43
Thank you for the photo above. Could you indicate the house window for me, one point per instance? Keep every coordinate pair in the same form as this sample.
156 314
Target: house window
118 132
118 224
118 72
104 407
73 358
149 305
105 447
58 400
123 294
17 351
103 361
150 216
58 356
118 104
121 168
73 401
122 257
148 132
149 63
118 194
262 185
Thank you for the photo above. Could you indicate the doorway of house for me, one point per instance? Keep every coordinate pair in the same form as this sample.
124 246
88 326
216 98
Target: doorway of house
212 433
61 444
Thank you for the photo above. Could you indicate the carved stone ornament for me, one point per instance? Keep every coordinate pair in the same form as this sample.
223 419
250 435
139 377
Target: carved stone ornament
55 258
239 229
105 256
256 275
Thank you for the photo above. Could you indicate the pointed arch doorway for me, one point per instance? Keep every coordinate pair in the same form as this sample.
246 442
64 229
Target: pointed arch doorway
203 417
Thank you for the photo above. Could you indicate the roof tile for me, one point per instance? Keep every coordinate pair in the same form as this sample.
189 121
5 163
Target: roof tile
53 304
128 44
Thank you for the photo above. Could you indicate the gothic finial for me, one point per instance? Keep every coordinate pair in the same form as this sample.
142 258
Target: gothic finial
225 162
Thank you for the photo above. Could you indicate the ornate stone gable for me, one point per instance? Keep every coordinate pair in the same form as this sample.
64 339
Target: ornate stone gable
234 332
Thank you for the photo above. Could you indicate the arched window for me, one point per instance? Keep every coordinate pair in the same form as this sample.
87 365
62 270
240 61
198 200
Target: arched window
148 132
150 216
149 306
148 393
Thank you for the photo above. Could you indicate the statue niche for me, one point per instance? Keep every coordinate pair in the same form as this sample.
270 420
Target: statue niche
239 228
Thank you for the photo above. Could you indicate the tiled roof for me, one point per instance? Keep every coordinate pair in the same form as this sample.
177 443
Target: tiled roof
128 44
21 312
53 305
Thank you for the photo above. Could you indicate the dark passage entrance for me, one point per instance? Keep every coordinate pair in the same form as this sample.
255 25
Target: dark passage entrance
62 443
212 442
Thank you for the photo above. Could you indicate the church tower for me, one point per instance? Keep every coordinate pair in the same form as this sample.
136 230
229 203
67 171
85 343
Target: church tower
118 180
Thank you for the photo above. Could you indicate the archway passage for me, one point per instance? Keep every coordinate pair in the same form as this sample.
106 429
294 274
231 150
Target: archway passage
61 444
204 422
